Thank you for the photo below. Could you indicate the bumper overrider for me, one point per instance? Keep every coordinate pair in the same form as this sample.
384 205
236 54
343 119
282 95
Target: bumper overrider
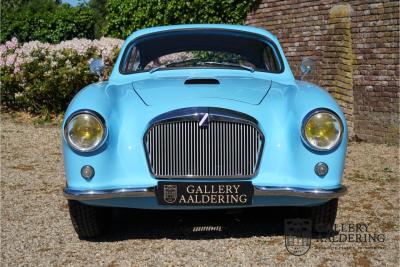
263 191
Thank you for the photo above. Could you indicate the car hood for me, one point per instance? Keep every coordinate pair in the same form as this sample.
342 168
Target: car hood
162 90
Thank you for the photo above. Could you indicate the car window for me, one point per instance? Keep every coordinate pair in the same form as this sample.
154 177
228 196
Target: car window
270 59
205 49
134 59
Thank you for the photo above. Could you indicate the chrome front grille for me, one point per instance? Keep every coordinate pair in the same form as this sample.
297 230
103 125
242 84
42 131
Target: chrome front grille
221 149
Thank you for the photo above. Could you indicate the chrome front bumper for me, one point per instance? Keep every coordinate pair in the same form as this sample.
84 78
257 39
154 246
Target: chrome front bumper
265 191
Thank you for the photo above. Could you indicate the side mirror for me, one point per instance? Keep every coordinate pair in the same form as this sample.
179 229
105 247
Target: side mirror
97 67
307 66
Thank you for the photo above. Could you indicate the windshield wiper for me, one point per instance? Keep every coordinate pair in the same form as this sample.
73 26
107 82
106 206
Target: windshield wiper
172 64
227 64
153 69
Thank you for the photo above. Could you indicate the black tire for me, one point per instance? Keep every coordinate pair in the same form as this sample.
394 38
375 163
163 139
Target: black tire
89 221
323 216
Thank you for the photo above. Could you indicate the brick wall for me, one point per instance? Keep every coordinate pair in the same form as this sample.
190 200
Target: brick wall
356 45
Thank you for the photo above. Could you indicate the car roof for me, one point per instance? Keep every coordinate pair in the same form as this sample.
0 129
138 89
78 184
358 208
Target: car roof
249 29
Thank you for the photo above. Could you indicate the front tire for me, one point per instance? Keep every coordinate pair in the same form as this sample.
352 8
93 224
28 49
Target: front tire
89 221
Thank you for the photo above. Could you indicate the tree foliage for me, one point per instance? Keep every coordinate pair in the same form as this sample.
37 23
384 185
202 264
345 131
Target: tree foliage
124 17
46 21
99 7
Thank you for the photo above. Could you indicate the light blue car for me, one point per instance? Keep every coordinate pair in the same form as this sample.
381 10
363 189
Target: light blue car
202 117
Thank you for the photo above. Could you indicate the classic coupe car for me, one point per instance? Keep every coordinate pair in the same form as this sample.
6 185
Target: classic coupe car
202 117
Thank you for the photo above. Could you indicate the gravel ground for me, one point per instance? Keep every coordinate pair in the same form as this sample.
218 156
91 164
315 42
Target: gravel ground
36 229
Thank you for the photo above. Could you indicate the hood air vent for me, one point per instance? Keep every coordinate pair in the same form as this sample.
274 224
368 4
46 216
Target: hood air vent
201 81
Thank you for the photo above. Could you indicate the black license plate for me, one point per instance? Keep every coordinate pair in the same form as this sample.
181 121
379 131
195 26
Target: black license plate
205 193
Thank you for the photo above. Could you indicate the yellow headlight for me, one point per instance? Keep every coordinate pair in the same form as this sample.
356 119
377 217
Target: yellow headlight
85 132
323 130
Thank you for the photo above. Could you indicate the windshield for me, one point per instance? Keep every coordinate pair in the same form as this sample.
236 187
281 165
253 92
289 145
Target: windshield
201 49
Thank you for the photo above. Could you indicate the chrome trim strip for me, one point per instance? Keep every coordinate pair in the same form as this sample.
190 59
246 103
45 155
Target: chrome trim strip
258 191
108 193
300 192
196 113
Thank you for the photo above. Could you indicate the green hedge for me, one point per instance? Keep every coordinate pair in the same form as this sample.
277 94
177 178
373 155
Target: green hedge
46 22
124 17
42 79
48 88
43 86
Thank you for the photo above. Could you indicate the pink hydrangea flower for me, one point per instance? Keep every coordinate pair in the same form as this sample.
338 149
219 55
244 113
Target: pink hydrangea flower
10 60
14 54
12 44
3 50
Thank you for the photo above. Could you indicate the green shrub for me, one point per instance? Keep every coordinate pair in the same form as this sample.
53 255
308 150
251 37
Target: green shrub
46 21
124 17
10 87
42 79
50 82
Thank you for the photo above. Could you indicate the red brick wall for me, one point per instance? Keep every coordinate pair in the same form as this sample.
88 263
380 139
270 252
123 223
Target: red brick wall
356 45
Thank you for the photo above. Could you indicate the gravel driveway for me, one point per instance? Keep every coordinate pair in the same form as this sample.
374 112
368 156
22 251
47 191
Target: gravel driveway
36 229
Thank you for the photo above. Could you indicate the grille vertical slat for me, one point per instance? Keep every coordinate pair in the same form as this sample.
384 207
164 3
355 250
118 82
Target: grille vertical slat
187 148
180 149
220 148
241 149
212 135
190 145
251 148
161 156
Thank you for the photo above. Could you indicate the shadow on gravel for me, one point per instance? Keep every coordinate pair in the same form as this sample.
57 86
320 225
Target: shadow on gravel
197 225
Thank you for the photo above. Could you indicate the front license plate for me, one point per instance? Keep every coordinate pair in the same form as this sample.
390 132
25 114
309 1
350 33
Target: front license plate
205 194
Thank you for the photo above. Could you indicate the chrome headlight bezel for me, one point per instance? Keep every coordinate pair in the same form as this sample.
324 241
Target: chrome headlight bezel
308 117
96 116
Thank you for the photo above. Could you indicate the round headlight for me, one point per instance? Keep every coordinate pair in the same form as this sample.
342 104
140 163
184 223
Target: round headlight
322 130
85 131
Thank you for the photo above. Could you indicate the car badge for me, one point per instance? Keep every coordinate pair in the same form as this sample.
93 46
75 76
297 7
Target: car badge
170 193
204 120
